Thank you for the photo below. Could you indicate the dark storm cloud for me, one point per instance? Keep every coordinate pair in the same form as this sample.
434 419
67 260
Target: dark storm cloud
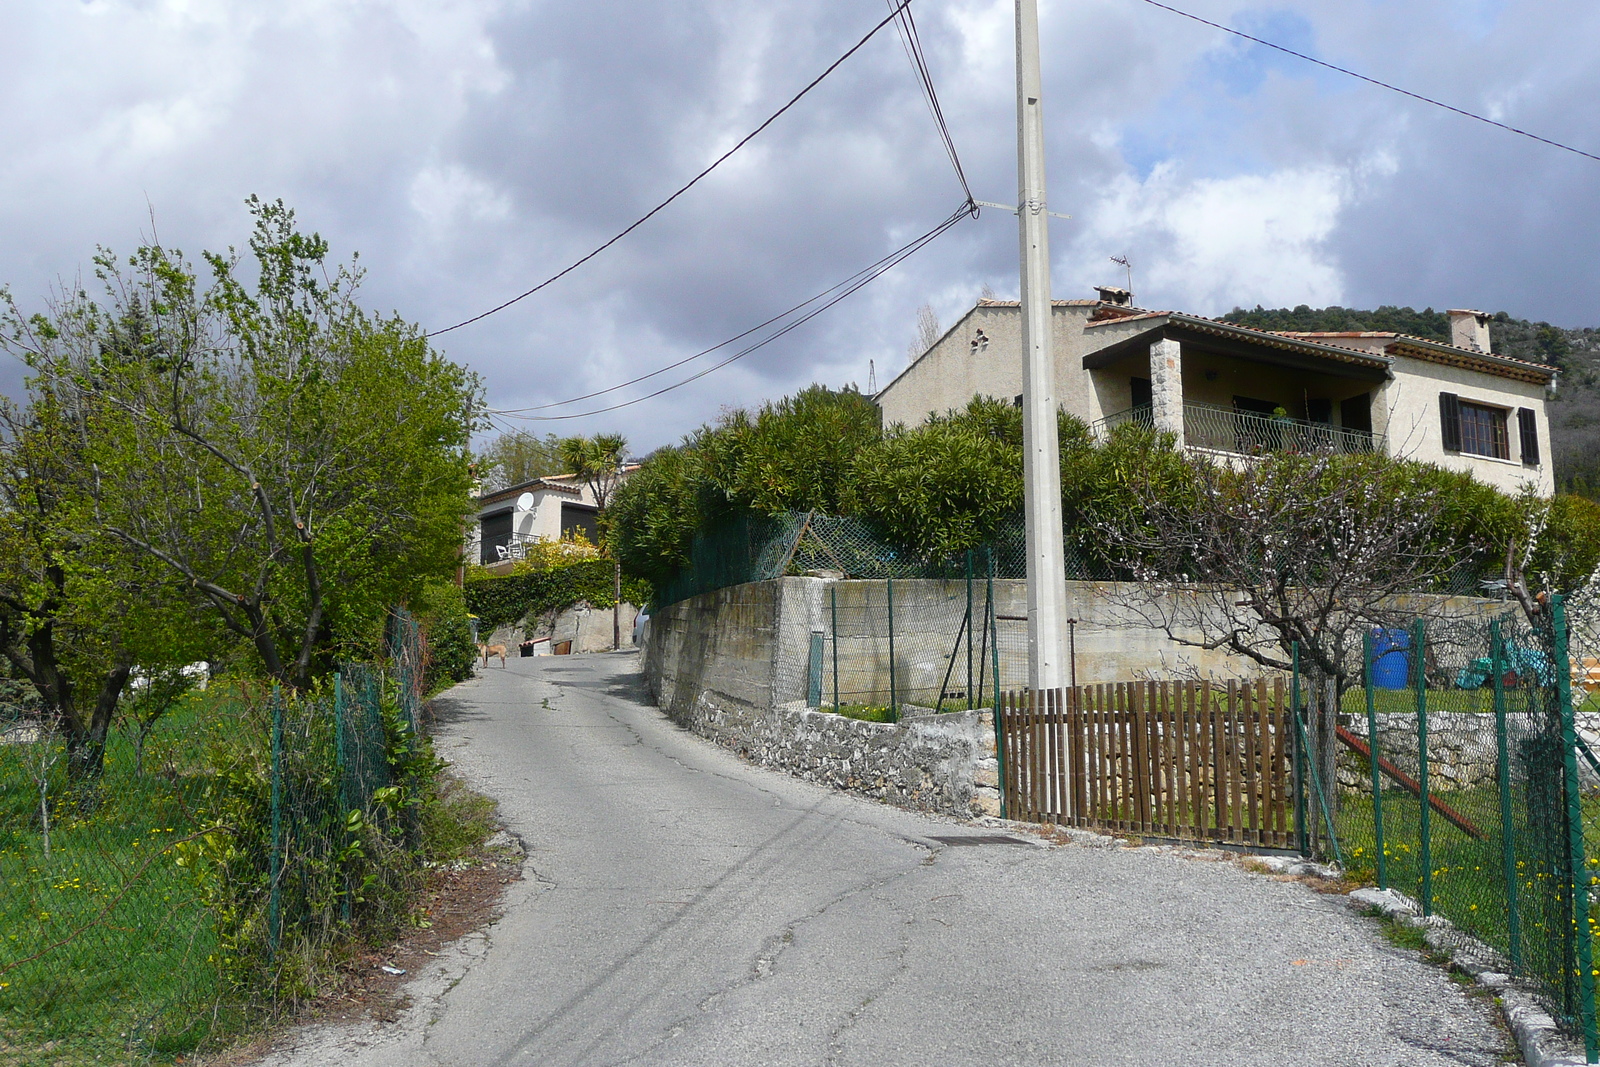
471 148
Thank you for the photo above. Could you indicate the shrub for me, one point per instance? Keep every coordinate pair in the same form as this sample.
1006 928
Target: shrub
504 600
441 608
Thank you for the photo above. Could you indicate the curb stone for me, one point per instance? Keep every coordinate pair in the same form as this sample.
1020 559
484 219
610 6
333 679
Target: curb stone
1542 1044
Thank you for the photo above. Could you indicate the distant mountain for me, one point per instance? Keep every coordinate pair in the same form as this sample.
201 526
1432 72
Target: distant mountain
1574 409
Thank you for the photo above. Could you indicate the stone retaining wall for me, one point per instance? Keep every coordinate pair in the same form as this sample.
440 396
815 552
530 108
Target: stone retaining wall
1462 749
927 762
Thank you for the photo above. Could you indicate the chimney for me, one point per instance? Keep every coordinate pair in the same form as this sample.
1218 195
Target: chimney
1469 330
1114 295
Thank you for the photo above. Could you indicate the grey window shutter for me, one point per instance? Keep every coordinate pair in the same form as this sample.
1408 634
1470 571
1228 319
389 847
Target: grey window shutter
1528 429
1450 421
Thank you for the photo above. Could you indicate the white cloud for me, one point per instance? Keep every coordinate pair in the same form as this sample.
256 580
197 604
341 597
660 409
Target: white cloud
1208 244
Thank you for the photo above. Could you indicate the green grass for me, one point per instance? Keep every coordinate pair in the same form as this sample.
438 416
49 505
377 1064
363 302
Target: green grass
1468 875
864 712
136 975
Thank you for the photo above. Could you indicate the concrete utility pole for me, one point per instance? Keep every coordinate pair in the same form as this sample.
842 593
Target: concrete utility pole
1041 456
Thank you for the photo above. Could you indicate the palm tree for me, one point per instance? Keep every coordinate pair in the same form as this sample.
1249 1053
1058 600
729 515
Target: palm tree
598 461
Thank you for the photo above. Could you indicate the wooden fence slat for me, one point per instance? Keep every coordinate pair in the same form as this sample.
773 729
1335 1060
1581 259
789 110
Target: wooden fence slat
1035 699
1080 756
1063 806
1280 765
1236 761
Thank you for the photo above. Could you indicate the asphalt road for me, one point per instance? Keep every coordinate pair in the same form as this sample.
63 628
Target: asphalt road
683 907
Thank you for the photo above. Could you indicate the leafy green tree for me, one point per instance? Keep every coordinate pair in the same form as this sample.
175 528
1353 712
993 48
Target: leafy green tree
514 458
944 486
294 461
77 611
656 512
598 463
795 454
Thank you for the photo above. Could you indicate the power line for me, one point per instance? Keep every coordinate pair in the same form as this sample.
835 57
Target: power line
1374 81
859 281
912 41
641 220
707 351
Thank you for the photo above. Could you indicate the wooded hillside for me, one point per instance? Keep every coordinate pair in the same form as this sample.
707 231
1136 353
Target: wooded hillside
1574 410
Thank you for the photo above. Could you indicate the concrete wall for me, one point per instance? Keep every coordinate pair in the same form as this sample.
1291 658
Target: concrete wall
588 628
750 644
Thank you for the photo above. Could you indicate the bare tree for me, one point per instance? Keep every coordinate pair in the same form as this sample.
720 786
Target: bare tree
1288 556
928 332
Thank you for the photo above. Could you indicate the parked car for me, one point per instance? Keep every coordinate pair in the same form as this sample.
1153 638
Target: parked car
641 627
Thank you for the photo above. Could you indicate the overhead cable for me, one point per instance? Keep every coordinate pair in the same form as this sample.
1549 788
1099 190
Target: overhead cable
642 219
857 281
1374 81
720 345
912 42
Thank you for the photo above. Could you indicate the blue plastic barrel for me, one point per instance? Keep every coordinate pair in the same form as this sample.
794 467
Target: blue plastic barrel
1391 659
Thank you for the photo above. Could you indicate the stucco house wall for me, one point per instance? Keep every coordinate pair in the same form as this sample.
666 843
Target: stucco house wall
1100 348
1411 411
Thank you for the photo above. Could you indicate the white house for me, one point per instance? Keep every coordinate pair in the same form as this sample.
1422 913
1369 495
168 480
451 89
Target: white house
546 509
1231 389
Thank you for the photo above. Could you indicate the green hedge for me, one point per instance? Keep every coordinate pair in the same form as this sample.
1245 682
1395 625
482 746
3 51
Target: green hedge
503 600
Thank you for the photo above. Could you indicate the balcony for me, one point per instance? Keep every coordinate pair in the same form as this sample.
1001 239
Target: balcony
1213 428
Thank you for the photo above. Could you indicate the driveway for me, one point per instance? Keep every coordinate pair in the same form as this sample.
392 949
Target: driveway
683 907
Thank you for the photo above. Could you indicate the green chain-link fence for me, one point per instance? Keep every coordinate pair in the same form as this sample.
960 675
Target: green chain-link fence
197 883
755 548
1458 786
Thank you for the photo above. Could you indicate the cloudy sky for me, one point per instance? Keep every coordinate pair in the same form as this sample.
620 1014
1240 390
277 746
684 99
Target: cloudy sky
470 148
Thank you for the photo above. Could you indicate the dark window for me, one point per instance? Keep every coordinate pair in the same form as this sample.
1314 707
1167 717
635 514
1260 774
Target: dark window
579 517
494 533
1140 390
1355 414
1319 409
1528 431
1483 431
1450 421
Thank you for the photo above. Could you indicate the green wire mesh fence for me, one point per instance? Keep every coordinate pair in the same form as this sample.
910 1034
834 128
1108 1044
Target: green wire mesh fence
1458 786
755 548
198 881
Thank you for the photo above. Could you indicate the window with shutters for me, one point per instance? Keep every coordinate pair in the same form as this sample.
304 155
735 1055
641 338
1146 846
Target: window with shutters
1483 431
1528 433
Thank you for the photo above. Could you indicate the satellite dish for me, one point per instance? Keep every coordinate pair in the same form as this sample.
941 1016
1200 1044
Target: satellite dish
525 502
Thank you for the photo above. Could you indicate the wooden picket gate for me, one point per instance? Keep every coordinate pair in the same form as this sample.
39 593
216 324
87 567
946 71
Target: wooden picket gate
1188 760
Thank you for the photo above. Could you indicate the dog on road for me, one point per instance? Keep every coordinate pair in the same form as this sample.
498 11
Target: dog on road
493 650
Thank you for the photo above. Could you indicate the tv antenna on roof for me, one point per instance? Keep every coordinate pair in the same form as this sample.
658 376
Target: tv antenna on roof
1126 264
872 378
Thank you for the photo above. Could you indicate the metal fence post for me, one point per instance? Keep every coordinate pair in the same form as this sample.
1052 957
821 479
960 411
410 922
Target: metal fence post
1420 680
894 695
275 860
991 634
1377 772
1508 846
994 633
1562 665
1302 838
971 696
814 671
833 600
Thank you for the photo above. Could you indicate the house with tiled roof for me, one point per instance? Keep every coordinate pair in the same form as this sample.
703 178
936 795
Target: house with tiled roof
1232 390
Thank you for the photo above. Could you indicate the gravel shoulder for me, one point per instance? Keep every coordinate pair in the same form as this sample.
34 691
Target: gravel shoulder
679 906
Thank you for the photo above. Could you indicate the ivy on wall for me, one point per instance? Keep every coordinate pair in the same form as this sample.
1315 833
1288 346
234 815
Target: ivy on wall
500 600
